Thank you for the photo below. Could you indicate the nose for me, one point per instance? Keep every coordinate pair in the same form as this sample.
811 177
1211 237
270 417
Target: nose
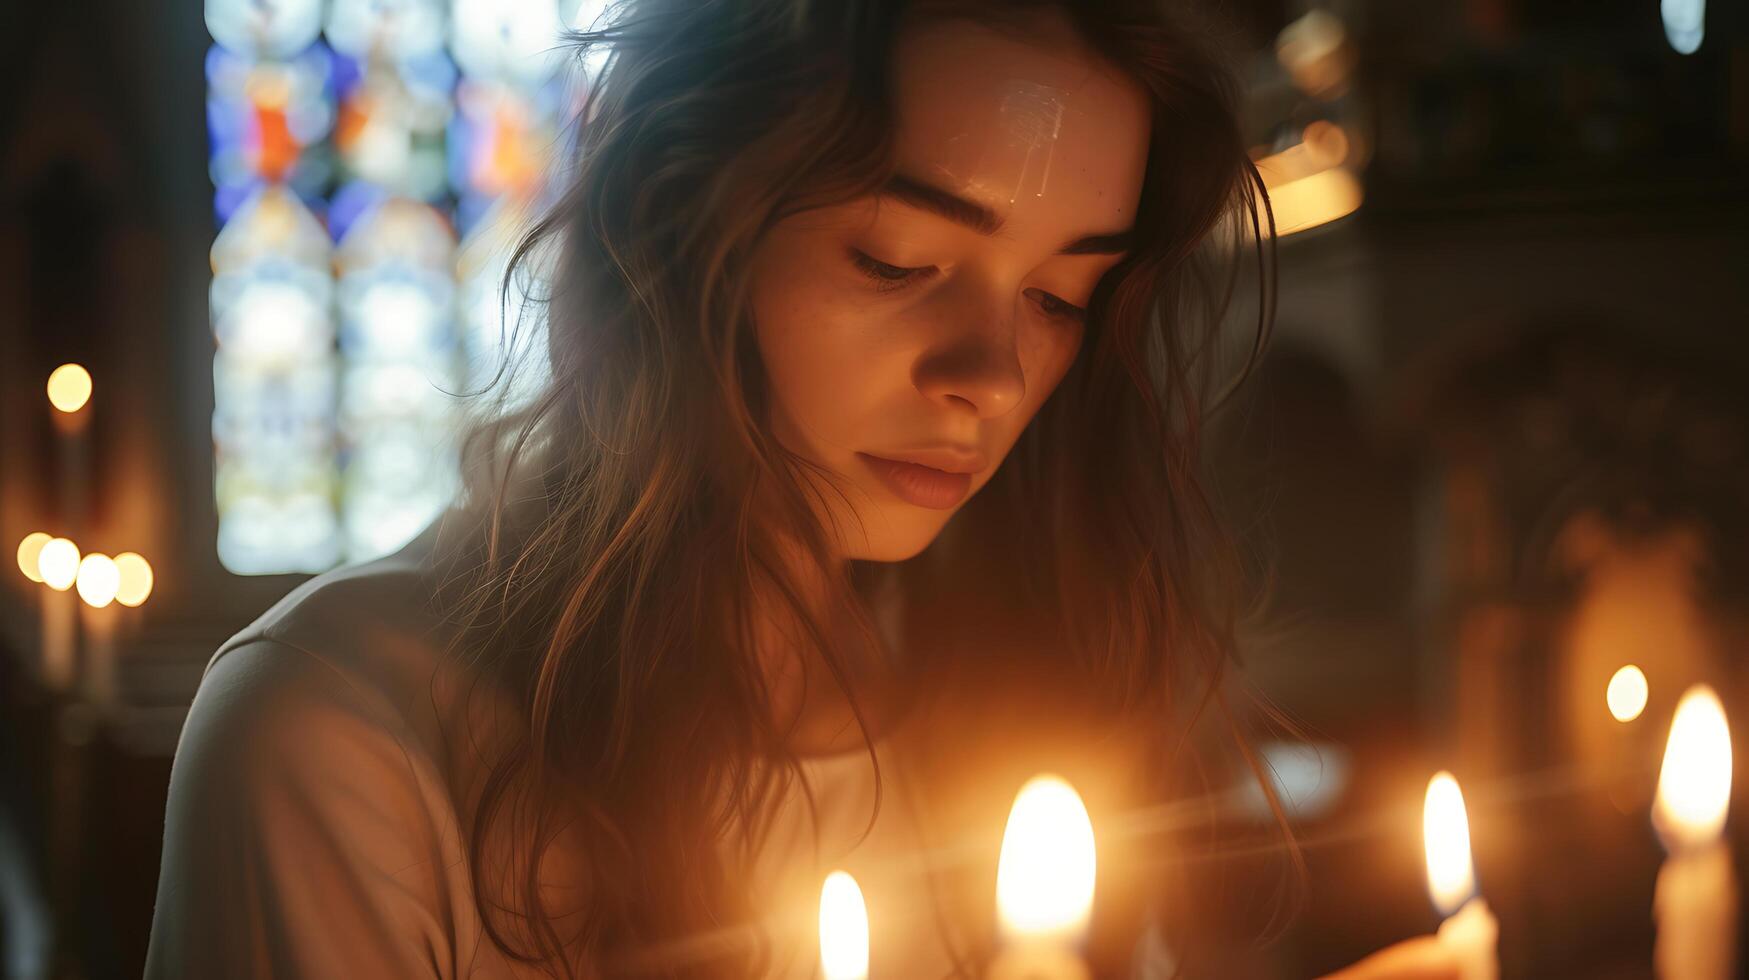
979 368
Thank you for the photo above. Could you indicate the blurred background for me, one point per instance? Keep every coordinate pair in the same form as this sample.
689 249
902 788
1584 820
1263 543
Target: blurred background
1497 453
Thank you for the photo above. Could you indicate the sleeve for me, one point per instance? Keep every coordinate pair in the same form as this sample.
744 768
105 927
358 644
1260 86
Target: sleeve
296 842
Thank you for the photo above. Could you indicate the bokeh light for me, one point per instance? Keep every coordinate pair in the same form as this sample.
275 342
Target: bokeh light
28 550
57 564
69 387
97 580
1627 693
135 579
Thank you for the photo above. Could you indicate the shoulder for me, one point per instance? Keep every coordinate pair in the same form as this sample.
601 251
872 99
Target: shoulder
274 726
312 826
278 742
278 707
300 838
348 611
332 686
370 640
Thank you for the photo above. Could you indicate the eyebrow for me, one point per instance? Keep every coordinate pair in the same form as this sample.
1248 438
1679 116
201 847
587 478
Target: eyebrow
946 204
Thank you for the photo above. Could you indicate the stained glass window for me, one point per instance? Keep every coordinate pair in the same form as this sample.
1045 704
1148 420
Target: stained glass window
371 162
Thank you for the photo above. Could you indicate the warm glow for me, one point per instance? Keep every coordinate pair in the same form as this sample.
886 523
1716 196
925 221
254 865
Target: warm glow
1307 184
57 564
135 582
1694 787
28 550
1627 693
98 580
1044 878
843 929
69 387
1326 144
1445 831
1314 200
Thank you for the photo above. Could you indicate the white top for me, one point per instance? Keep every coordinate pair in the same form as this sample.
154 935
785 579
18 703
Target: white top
314 826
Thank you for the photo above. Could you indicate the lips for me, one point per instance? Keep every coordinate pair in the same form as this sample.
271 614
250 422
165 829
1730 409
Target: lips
924 485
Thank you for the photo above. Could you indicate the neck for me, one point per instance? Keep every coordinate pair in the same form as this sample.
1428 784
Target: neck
816 695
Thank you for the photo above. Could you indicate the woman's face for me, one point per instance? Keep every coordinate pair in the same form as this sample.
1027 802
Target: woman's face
910 336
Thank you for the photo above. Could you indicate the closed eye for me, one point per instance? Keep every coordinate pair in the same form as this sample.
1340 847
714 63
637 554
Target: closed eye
890 278
1056 306
885 276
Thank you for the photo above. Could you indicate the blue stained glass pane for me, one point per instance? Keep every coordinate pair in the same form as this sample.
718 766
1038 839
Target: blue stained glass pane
345 73
432 72
350 203
228 197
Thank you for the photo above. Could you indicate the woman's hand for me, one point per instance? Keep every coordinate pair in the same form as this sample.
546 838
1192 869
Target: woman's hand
1422 958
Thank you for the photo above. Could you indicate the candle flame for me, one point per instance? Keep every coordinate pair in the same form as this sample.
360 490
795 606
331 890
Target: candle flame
57 564
1694 786
843 929
1627 693
1445 832
1045 875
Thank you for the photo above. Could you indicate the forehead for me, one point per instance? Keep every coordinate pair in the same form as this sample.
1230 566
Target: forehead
1030 123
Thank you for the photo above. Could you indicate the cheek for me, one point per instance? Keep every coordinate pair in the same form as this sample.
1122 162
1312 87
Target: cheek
1046 353
823 360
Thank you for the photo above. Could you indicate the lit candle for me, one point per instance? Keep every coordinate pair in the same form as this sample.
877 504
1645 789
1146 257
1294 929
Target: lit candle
843 929
57 566
1695 902
97 583
1044 884
1470 935
69 389
1626 697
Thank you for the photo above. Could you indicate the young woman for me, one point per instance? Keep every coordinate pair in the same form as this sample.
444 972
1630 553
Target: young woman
863 486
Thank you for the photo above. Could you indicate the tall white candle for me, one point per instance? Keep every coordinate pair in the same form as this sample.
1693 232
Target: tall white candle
1695 901
1044 884
97 583
1472 933
69 391
60 639
1626 696
99 681
57 568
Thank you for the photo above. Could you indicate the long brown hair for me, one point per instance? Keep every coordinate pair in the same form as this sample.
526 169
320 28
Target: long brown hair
619 612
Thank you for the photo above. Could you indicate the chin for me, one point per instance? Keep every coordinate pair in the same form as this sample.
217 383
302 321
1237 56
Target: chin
895 537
